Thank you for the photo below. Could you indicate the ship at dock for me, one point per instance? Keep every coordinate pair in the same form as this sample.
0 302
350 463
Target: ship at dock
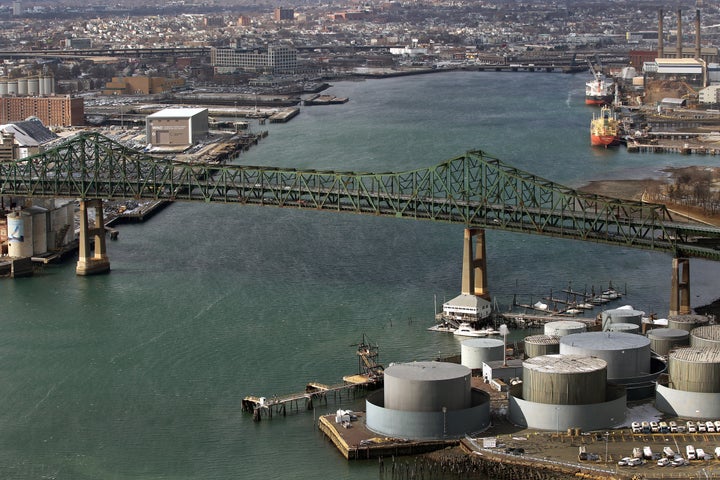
598 91
605 128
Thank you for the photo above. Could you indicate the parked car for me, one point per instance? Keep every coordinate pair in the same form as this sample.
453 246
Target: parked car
673 427
691 428
690 452
663 462
710 426
636 428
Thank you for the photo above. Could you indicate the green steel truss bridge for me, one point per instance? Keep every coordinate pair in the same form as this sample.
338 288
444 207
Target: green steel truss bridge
473 190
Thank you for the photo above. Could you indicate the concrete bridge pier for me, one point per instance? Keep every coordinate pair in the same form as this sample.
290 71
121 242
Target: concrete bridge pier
474 271
92 262
680 287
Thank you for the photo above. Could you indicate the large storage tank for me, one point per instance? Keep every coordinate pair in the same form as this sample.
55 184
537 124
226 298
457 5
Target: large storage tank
475 351
627 355
3 86
47 85
624 327
564 379
706 337
662 340
20 241
539 345
564 327
33 86
687 322
39 229
22 86
427 386
695 370
621 315
12 87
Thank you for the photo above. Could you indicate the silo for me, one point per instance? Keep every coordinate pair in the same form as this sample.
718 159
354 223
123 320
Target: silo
539 345
564 380
694 369
662 340
475 351
20 242
33 86
12 87
624 327
39 229
564 327
621 315
427 386
687 322
3 86
47 85
627 355
22 84
706 337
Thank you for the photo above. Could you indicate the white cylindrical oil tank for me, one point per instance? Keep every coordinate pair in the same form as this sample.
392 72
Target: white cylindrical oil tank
20 242
564 379
627 355
539 345
12 87
707 336
476 351
33 86
621 315
3 86
694 369
47 85
22 86
427 386
623 327
662 340
687 322
564 327
39 229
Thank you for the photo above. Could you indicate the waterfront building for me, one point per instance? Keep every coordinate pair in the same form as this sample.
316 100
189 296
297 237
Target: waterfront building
273 60
176 127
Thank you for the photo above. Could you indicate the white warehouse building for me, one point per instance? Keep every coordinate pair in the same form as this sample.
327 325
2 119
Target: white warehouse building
176 127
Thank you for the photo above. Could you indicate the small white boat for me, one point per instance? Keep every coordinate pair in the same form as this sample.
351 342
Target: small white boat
465 330
540 306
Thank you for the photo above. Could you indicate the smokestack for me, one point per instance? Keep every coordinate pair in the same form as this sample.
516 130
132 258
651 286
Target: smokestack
679 34
660 34
697 34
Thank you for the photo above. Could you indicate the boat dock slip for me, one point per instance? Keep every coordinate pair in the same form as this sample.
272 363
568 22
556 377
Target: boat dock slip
525 320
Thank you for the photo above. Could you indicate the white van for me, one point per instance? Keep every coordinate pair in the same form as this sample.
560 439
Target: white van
690 452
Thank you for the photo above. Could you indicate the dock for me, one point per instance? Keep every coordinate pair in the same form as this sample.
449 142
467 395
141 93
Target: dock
302 401
356 442
369 376
533 320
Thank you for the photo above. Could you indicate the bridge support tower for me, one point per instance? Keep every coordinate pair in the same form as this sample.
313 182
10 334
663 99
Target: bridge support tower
474 271
680 287
92 262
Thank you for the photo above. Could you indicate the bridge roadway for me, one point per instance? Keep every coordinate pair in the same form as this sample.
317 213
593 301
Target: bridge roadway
473 190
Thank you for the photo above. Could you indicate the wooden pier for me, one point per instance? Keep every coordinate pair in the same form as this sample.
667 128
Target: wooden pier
370 375
314 393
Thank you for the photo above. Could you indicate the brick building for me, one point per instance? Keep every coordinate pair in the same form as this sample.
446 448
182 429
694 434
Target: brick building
63 111
141 85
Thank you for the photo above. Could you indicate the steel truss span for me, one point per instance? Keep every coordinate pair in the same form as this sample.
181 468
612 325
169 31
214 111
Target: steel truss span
474 190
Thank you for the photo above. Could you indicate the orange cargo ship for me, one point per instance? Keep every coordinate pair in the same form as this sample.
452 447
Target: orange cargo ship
605 128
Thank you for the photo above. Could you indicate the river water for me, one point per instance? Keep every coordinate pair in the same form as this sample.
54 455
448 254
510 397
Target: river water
139 374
